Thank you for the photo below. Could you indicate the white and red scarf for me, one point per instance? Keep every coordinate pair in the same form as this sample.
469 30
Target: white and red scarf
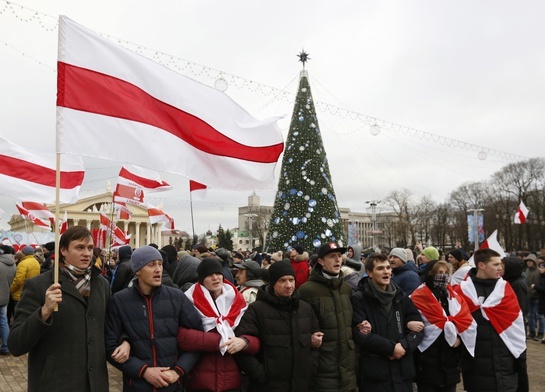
224 313
460 322
502 309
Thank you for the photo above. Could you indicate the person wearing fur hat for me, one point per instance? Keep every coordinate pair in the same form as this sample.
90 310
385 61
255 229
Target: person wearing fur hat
329 295
460 266
220 306
299 262
404 274
279 318
149 310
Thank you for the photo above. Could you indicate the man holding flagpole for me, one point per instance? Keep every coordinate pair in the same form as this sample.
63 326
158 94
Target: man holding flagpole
499 363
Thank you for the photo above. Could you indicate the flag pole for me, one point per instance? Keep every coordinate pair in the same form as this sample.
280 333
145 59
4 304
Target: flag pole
192 223
57 206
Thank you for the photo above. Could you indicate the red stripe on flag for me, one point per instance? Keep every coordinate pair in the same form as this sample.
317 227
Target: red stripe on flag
195 186
141 181
28 171
89 91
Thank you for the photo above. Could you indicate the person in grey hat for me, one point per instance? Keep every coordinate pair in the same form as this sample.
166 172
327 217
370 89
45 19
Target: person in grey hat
404 274
149 314
249 279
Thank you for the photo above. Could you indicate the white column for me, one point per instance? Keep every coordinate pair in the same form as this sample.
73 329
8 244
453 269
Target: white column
137 234
148 234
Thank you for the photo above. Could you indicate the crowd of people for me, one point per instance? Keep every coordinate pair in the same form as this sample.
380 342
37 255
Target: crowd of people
333 319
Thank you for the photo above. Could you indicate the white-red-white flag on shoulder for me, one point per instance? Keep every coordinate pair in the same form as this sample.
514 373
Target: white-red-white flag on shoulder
197 190
27 174
490 243
118 105
139 177
157 215
63 226
26 214
521 214
117 235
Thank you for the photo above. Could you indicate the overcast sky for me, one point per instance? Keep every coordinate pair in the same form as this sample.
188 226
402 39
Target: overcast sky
471 71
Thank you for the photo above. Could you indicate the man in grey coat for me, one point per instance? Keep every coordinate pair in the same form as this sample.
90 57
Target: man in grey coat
66 348
7 273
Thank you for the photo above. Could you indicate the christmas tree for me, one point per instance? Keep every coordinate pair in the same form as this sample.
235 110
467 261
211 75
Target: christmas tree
305 208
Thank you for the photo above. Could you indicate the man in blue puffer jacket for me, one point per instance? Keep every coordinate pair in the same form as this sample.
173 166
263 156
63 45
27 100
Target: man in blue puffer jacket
148 315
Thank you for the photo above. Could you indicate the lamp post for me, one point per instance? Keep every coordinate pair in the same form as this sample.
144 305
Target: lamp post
373 204
475 212
250 217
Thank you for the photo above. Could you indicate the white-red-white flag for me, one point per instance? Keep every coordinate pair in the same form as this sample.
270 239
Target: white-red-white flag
38 209
111 229
123 211
521 214
197 190
128 194
490 243
27 174
115 104
139 177
157 215
41 223
63 226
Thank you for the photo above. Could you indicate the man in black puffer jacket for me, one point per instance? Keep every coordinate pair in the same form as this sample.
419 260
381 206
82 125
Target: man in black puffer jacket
382 313
287 329
148 314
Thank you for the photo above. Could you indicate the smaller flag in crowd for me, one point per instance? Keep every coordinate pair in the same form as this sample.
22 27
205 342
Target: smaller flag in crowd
197 190
521 214
156 215
139 177
64 223
117 235
490 243
26 214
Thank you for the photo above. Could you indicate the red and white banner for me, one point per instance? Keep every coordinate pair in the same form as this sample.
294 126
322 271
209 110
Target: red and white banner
26 174
502 309
139 177
490 243
129 195
123 211
156 215
38 209
117 235
521 214
63 226
26 214
115 104
197 190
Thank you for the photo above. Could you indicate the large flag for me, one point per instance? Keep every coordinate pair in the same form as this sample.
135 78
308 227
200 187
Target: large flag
521 214
148 180
490 243
26 174
197 190
115 104
156 215
26 214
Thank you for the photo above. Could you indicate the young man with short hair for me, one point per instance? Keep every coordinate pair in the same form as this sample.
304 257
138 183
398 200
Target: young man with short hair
382 314
499 363
66 347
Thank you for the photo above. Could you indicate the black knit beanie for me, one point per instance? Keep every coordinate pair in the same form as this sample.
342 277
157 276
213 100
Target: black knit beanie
278 270
208 267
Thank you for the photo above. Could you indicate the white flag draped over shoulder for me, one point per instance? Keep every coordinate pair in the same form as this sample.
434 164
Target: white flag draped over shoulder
115 104
31 175
521 214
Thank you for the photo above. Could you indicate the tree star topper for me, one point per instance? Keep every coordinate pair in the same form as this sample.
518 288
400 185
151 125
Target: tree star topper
303 57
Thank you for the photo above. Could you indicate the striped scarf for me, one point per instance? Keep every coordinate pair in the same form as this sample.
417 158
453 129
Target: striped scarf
80 277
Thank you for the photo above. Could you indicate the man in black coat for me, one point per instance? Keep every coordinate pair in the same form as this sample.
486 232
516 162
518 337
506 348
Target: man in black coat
123 273
382 314
287 329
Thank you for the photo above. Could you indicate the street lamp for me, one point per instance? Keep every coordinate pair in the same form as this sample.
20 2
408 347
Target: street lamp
250 221
373 204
